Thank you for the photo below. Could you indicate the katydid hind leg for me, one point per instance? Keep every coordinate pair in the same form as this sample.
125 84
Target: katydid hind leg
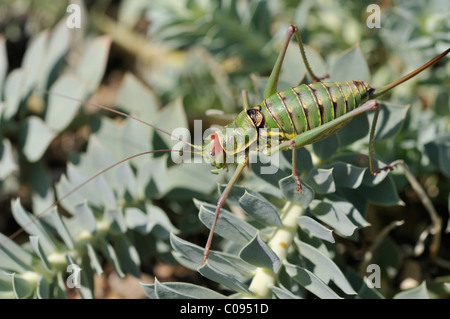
301 47
313 135
272 82
271 86
374 170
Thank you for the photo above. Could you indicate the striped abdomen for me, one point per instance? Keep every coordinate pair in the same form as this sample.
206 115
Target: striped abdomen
296 110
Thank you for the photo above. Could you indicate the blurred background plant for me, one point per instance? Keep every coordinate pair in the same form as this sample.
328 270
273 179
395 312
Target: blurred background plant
191 57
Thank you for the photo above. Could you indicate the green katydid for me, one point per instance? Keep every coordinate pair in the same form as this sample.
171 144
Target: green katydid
301 115
297 116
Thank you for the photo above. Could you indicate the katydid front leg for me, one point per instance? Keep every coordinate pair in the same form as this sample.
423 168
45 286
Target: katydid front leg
220 204
227 190
294 168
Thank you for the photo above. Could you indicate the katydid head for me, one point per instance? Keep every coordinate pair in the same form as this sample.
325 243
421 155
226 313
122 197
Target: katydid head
232 141
213 151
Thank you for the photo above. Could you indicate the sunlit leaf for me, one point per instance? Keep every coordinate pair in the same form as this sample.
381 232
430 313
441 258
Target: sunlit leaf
260 209
333 217
321 180
325 265
314 228
419 292
7 161
223 278
35 137
93 63
60 110
257 253
310 282
178 290
32 59
14 92
289 189
351 65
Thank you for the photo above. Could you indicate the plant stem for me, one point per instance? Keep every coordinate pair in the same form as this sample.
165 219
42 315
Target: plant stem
136 44
379 239
280 242
436 221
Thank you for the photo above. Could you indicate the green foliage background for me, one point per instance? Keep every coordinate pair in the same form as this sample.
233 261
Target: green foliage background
168 63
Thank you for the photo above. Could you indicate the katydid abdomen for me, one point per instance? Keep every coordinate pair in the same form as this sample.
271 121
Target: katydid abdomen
299 109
